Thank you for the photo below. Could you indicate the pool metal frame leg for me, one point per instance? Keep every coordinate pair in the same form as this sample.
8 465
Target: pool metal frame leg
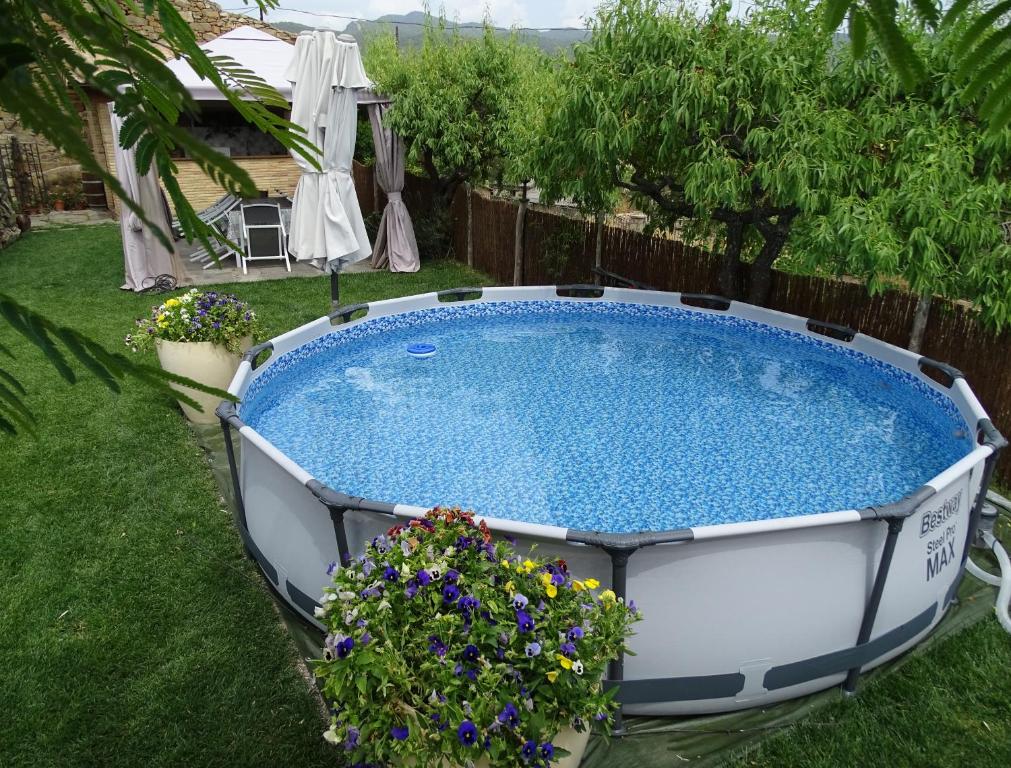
871 610
619 583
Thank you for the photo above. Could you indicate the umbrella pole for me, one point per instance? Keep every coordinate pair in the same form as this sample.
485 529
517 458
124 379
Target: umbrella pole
335 290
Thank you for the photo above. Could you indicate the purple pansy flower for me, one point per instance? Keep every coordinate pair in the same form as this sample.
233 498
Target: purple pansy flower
533 649
469 603
524 621
390 573
424 578
344 647
366 638
436 646
331 568
567 648
547 750
452 576
520 601
471 653
576 633
411 589
352 739
467 733
557 579
528 750
449 593
509 715
399 732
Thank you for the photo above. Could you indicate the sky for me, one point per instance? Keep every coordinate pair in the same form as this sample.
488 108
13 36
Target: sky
505 13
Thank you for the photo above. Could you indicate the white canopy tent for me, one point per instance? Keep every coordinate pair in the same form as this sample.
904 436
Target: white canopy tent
323 78
259 52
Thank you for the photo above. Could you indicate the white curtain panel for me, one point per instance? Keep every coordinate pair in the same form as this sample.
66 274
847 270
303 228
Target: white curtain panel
395 244
306 90
145 258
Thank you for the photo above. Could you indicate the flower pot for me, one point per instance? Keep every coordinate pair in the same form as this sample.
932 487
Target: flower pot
58 205
575 742
202 361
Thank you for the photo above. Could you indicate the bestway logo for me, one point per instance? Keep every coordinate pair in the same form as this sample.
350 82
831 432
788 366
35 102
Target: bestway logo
933 519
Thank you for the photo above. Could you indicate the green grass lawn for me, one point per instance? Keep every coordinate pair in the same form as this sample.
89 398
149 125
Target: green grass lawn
134 632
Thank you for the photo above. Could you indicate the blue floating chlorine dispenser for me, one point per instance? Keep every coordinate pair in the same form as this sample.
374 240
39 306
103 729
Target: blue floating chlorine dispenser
421 350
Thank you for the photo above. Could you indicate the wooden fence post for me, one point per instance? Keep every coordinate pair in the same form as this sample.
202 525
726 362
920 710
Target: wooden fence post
521 215
920 318
598 247
470 225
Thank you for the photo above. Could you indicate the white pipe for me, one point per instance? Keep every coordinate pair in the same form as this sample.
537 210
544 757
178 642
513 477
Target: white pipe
1004 582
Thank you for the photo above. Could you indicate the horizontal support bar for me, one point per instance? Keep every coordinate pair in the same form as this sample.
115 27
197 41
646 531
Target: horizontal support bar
630 541
660 689
902 508
837 662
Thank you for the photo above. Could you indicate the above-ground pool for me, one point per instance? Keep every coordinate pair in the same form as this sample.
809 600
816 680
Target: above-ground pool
787 501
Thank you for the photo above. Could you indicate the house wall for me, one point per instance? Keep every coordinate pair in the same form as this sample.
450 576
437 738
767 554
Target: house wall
269 174
208 22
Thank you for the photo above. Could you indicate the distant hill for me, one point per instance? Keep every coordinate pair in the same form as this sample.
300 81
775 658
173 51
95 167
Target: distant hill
291 26
411 28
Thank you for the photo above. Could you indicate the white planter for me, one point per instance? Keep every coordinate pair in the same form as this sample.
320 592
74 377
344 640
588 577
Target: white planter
202 361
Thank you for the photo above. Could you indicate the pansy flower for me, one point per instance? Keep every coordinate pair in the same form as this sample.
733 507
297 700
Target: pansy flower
467 733
449 593
520 601
528 751
400 732
524 621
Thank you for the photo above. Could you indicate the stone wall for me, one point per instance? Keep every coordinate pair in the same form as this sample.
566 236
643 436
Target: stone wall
207 20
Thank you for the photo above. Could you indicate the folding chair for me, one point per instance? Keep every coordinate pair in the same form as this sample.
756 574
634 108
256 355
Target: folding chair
263 231
211 214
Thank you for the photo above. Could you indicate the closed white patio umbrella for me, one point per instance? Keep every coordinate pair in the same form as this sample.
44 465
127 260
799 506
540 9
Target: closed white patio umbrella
326 223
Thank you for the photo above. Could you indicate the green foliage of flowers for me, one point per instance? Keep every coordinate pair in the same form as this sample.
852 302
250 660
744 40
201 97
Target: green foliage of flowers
219 318
444 646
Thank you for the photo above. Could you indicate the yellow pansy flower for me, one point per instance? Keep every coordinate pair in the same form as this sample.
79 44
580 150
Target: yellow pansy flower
608 596
551 590
528 565
577 586
552 676
592 583
510 587
505 564
161 317
545 579
172 303
564 661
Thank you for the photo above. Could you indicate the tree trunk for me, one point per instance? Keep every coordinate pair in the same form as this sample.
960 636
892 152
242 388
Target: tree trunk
730 272
920 318
598 248
761 271
521 214
470 226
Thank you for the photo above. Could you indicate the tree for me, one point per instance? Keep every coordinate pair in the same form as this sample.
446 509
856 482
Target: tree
982 52
718 121
922 206
51 49
459 102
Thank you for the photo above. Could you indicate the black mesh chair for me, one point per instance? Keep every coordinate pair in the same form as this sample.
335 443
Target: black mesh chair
263 232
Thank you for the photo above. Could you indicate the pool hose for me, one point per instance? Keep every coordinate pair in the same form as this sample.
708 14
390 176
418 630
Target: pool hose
989 541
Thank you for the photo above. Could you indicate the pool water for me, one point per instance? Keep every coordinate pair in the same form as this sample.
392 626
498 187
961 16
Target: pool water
603 416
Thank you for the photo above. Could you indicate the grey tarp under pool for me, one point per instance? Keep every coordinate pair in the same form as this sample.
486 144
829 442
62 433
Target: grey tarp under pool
665 741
